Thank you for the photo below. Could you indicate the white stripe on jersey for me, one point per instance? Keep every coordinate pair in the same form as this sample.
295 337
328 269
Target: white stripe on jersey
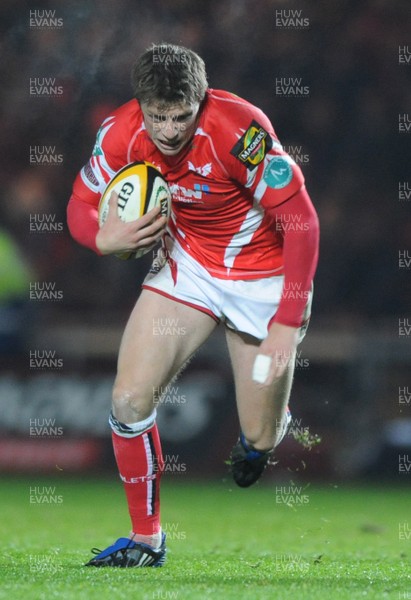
150 469
251 175
102 170
172 226
131 143
243 237
105 126
104 164
99 159
260 190
98 164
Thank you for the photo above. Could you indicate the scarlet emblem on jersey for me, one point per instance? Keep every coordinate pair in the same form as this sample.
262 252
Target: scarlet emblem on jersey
204 170
252 147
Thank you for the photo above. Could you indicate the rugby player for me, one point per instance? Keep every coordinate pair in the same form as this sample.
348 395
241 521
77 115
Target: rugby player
240 249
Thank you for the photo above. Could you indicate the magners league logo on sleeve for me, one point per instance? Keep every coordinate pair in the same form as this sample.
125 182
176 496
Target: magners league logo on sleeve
252 147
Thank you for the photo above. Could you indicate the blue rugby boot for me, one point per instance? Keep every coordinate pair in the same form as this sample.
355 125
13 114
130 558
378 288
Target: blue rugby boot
126 553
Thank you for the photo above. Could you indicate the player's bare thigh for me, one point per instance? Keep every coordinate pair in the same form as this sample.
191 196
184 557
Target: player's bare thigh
159 338
260 408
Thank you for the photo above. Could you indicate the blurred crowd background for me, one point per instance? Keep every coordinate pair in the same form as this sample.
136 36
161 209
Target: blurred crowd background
344 132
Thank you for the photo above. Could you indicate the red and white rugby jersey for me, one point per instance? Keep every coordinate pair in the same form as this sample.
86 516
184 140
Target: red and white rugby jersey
222 182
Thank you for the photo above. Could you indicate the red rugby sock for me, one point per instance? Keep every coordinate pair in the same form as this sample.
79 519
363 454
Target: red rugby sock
140 464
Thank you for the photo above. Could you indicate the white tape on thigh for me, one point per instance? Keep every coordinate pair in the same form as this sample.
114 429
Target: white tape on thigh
261 368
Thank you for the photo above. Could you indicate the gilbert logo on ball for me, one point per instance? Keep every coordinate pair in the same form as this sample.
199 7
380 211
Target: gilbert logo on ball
140 187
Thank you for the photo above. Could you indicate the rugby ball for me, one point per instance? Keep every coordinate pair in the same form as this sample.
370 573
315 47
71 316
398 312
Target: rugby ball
140 187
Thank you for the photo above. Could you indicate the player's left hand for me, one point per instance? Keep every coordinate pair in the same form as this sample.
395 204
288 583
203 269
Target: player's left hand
280 346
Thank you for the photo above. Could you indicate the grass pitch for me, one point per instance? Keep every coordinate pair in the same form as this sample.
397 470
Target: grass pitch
267 542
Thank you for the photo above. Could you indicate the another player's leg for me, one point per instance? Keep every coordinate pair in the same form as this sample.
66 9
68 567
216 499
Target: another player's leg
263 412
149 358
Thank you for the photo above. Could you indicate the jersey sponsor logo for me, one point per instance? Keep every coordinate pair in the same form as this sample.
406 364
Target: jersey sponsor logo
183 194
278 173
89 174
203 171
252 147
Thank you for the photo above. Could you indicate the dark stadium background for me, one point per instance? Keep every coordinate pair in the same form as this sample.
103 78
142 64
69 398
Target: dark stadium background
60 302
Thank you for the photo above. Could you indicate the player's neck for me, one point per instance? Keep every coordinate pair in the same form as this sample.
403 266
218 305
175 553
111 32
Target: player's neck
177 158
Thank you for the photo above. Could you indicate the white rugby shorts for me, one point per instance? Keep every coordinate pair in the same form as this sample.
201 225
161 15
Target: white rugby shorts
242 305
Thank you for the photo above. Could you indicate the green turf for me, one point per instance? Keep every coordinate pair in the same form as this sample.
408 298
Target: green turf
337 543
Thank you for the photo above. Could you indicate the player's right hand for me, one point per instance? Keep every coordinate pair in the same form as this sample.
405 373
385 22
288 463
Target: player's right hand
116 237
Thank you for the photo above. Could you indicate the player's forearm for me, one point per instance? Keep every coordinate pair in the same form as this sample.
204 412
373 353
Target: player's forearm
82 221
299 222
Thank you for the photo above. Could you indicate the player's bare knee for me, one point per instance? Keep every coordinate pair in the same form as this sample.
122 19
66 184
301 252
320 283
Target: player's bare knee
130 404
